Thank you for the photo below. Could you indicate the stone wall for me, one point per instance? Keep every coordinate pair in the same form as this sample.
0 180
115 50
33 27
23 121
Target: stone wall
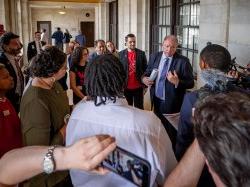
71 20
239 27
226 22
133 18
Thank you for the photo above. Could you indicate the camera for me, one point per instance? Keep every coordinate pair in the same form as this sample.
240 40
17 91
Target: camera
243 79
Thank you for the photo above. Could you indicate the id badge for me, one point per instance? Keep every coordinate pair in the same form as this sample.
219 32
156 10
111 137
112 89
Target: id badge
6 113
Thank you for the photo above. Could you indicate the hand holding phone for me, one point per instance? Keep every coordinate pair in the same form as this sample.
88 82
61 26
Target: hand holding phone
129 166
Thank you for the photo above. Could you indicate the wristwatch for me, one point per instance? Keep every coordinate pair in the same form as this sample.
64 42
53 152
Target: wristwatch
49 164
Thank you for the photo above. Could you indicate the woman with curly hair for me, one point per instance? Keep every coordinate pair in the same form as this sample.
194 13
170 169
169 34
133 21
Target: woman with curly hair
79 61
44 107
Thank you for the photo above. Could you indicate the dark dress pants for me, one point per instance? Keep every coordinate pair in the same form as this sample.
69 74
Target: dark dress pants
134 97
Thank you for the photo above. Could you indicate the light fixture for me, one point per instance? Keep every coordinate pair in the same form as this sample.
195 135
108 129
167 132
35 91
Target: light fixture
62 11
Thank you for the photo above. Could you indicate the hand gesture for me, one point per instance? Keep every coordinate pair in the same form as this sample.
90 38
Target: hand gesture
233 74
173 78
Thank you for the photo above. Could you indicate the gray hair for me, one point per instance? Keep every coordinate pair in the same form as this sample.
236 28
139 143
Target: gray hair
172 38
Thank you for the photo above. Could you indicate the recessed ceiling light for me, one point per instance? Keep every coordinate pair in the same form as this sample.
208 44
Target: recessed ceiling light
62 11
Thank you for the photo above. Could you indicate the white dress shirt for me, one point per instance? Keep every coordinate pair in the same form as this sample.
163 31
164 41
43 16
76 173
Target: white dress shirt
19 82
135 130
162 61
38 46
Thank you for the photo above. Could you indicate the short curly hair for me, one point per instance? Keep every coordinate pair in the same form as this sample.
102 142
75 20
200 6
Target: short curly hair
49 62
77 54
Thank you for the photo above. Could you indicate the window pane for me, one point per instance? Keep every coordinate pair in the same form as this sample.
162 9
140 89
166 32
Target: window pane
184 15
160 16
184 52
164 33
168 31
164 16
164 3
160 35
194 14
185 37
198 14
180 35
161 2
191 38
159 47
168 16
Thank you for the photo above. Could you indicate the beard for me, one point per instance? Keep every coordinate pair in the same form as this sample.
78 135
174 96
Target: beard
14 51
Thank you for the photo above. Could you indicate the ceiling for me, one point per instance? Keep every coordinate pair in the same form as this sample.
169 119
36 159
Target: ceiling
75 1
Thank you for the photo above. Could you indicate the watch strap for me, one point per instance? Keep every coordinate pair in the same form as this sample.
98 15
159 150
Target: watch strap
49 164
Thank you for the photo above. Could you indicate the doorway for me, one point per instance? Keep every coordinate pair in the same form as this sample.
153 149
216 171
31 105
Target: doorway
45 25
88 29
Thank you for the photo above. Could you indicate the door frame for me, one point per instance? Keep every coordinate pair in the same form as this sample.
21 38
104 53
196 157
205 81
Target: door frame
48 32
82 30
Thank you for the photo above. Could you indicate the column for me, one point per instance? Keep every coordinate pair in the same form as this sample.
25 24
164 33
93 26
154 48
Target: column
25 28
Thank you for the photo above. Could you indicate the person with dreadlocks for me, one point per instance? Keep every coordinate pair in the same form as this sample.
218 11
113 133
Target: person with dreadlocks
108 112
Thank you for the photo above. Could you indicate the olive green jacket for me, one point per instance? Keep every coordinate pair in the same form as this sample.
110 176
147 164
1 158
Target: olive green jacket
42 115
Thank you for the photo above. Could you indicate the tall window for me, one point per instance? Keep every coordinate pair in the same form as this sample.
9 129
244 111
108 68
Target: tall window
160 21
113 22
178 17
187 29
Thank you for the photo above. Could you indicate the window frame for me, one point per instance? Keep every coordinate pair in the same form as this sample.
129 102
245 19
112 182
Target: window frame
175 26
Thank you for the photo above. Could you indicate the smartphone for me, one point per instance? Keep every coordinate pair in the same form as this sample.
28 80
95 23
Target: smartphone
153 74
129 166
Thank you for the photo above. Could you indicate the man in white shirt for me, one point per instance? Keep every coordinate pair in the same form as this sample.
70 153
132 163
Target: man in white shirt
44 36
135 130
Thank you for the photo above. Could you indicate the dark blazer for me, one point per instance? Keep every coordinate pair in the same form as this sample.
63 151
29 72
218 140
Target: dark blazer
11 94
32 51
141 62
185 136
173 96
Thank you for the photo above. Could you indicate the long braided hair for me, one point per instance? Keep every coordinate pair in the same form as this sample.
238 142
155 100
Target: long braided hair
104 79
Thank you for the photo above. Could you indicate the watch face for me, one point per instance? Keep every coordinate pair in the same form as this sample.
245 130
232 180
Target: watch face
48 165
